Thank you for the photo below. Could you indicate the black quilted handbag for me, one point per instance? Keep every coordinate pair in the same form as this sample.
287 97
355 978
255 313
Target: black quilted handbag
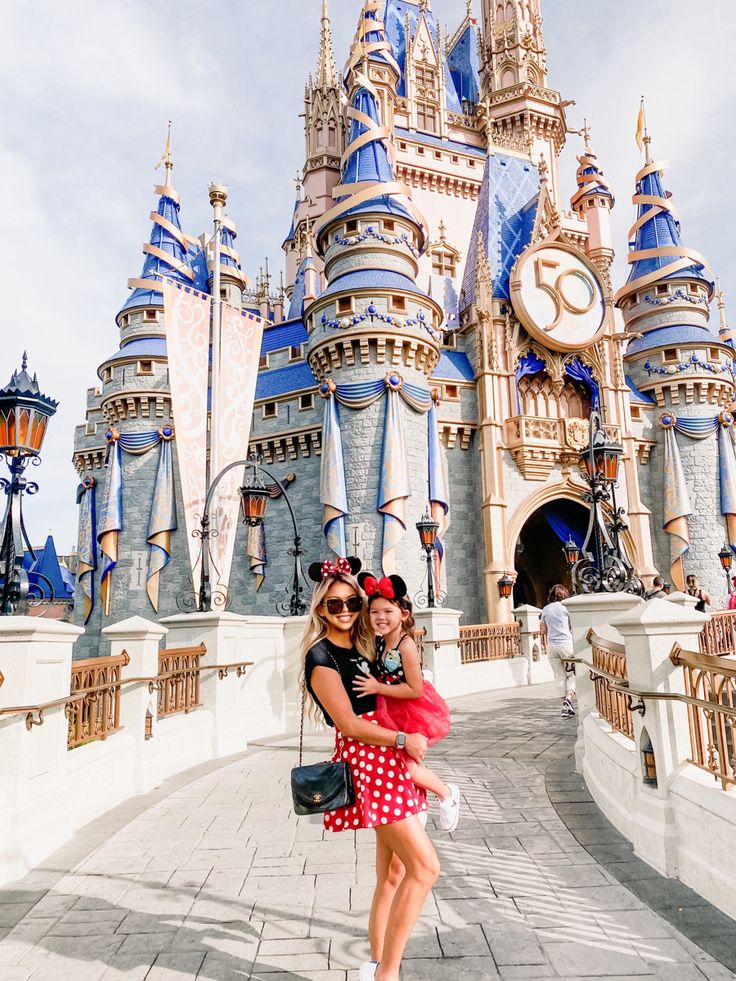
320 787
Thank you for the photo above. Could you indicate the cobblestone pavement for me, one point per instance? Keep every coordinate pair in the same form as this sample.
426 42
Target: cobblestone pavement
211 877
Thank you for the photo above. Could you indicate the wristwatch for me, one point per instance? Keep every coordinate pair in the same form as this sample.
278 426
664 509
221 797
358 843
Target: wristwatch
400 740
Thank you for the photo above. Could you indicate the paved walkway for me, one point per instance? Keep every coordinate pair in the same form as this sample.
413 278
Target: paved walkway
211 877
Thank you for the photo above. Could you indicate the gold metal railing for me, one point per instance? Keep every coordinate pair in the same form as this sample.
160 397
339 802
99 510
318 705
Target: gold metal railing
95 714
710 693
718 636
609 675
178 680
489 642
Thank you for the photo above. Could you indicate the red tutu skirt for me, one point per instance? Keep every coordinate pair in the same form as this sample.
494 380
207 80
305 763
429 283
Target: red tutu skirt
428 714
384 791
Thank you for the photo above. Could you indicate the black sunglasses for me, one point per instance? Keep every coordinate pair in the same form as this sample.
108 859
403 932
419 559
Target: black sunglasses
353 605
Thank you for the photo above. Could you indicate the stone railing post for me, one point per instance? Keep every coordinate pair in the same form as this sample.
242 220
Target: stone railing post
444 661
683 599
530 643
35 662
591 610
650 631
141 640
242 708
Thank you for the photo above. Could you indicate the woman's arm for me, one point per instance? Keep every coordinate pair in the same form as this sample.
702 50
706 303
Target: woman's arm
410 689
329 689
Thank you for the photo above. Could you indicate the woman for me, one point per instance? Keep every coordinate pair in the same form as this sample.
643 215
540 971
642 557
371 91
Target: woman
556 631
338 648
693 589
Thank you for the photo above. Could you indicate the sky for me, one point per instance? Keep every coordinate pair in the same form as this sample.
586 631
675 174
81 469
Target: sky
87 89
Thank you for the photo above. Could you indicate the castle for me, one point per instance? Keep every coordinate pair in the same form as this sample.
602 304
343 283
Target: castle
445 326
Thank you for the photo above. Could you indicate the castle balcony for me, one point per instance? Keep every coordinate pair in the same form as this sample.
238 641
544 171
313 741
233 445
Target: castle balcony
538 444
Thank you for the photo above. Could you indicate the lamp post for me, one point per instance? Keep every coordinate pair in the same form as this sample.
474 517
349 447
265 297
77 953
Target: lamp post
254 496
571 551
505 586
726 557
601 565
24 417
427 528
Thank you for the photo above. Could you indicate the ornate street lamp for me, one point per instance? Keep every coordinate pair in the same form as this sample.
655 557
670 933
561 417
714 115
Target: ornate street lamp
427 528
254 496
571 551
602 566
726 557
24 417
505 586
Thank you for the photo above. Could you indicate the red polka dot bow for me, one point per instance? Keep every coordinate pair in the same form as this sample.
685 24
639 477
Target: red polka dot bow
384 587
339 568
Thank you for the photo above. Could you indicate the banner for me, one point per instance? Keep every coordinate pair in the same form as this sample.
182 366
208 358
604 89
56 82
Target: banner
240 351
187 315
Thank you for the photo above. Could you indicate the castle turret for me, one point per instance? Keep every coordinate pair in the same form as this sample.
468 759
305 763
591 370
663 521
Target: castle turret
372 325
593 202
679 362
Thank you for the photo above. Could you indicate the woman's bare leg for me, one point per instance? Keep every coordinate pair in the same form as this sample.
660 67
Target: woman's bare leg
389 874
409 843
427 779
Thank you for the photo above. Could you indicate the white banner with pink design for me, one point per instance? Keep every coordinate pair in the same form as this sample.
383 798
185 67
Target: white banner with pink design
240 351
187 315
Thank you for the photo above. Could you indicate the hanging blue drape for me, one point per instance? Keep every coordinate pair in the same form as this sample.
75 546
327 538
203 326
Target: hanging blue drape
439 485
566 520
163 521
87 545
528 364
696 427
583 373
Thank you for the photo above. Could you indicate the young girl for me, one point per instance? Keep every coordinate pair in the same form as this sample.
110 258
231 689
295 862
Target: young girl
404 699
338 648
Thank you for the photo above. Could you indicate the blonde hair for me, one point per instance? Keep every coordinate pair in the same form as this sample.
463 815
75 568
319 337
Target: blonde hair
316 630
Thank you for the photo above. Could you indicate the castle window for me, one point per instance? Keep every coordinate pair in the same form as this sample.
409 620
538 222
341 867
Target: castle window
452 393
455 159
91 429
351 226
635 412
693 288
306 402
450 340
671 354
263 361
124 321
332 134
437 155
145 368
471 163
538 397
296 353
270 410
402 146
389 226
150 315
444 261
107 375
662 290
714 354
345 304
398 303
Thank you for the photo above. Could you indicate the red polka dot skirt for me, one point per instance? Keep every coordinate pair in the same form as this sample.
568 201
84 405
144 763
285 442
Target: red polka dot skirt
384 791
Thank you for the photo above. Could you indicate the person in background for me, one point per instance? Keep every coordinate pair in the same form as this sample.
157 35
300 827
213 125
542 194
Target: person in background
731 605
556 630
693 589
660 589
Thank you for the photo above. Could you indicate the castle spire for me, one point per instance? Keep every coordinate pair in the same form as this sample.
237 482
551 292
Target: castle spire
657 251
326 68
166 251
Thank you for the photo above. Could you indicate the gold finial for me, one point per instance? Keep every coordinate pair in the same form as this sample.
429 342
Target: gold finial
469 9
443 231
721 298
166 158
326 68
585 133
543 168
298 182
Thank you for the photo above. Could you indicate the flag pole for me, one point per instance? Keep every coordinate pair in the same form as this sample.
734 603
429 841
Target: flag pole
218 200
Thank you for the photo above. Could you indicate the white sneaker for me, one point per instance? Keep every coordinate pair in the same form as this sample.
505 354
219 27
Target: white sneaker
450 809
368 971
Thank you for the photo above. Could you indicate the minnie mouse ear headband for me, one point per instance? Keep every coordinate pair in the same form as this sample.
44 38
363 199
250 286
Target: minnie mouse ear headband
389 587
318 571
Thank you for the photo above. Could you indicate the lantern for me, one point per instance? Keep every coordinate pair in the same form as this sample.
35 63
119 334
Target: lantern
24 414
726 557
606 456
572 552
427 528
254 498
505 586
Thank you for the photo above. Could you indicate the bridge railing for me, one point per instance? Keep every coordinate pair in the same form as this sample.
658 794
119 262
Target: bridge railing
718 636
94 712
610 676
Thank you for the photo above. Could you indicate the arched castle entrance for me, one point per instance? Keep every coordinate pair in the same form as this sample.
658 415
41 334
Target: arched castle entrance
538 557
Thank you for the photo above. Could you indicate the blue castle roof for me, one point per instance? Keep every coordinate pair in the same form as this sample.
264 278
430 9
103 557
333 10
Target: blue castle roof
504 221
377 279
463 60
282 381
454 366
296 305
292 333
141 347
45 569
174 253
682 334
395 18
637 395
662 229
